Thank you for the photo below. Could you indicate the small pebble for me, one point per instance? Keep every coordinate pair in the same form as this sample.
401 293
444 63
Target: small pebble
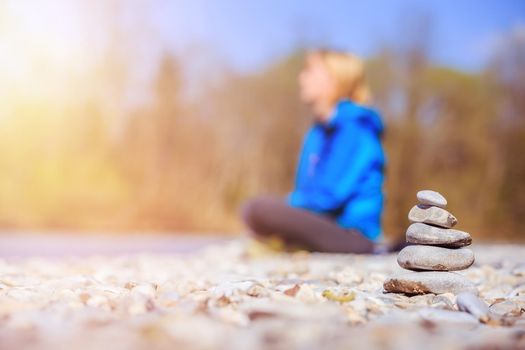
421 257
507 308
432 215
419 233
470 303
429 282
429 197
448 317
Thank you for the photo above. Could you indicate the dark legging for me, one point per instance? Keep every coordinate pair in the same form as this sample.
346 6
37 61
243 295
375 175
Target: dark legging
271 216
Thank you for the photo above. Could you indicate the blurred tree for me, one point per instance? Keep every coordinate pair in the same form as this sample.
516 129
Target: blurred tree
506 169
180 161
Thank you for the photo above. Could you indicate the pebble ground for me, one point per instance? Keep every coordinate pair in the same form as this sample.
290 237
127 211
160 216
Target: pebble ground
230 296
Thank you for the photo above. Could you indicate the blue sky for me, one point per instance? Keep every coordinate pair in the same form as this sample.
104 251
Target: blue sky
47 44
249 34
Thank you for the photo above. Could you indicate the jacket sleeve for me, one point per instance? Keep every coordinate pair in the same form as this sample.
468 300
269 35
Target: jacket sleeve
351 155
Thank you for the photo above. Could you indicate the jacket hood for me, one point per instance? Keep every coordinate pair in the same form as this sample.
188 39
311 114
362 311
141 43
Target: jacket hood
347 110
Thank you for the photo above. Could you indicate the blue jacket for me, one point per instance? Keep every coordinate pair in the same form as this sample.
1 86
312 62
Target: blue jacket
340 171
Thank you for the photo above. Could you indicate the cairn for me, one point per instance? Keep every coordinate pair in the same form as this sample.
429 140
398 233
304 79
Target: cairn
436 250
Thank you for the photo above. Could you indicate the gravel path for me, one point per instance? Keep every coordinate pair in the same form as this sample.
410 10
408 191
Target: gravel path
231 296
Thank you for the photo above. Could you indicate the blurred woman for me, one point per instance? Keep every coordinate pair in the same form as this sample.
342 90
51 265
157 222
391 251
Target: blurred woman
337 201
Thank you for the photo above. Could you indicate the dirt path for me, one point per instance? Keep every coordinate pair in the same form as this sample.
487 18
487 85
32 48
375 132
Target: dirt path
74 244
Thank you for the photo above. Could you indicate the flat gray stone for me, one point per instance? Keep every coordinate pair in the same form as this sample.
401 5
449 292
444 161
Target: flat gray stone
429 197
429 282
470 303
419 233
432 215
425 257
507 308
455 318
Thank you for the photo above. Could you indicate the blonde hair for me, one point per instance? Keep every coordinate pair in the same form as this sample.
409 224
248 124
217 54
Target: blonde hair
349 73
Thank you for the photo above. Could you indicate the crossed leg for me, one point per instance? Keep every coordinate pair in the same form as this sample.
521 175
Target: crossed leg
272 216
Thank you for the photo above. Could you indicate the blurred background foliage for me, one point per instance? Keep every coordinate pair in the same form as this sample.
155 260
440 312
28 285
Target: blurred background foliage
74 155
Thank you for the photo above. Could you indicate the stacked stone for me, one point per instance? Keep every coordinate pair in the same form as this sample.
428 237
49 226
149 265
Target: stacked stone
437 249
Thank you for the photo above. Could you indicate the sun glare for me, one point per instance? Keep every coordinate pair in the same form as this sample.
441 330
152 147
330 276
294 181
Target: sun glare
43 46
